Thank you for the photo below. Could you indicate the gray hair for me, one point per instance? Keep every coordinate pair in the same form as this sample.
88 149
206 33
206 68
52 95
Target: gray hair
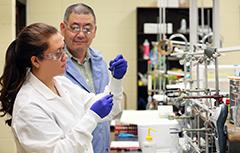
79 8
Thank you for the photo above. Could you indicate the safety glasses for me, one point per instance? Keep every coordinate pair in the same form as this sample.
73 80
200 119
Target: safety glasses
57 55
75 28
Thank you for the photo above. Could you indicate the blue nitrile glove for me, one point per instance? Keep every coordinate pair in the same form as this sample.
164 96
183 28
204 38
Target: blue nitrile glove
103 106
118 67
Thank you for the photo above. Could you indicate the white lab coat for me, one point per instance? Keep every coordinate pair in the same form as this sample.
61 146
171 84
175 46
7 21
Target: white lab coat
46 123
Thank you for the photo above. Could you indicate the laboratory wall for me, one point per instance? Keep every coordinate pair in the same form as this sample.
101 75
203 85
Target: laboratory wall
116 34
230 30
7 34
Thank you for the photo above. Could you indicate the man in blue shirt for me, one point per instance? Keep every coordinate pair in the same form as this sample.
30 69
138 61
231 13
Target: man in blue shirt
85 65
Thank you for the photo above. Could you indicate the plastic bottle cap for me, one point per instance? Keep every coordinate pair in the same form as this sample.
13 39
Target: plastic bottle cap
149 138
146 42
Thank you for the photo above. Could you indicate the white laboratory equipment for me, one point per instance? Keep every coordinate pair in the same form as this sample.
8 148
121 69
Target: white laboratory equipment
166 138
149 146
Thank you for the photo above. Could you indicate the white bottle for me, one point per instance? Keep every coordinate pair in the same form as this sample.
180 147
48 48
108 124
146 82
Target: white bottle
149 146
183 26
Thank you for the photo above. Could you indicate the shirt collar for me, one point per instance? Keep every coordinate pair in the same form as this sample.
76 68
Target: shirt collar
87 58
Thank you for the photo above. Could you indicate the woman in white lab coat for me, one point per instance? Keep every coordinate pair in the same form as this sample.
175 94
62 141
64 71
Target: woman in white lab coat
48 113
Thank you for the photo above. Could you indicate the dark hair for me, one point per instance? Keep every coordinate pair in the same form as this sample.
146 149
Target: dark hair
31 41
79 8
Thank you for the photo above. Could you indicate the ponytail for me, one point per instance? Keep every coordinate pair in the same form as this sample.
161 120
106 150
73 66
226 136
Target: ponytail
31 41
11 80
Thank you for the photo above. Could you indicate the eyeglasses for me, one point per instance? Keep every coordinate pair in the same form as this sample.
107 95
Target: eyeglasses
55 55
75 28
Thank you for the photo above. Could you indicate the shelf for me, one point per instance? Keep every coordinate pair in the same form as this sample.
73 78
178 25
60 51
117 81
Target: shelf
172 58
142 60
142 33
143 86
151 15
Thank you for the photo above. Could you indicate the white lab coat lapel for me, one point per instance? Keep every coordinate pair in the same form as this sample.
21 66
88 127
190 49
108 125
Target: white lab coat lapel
41 87
49 95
